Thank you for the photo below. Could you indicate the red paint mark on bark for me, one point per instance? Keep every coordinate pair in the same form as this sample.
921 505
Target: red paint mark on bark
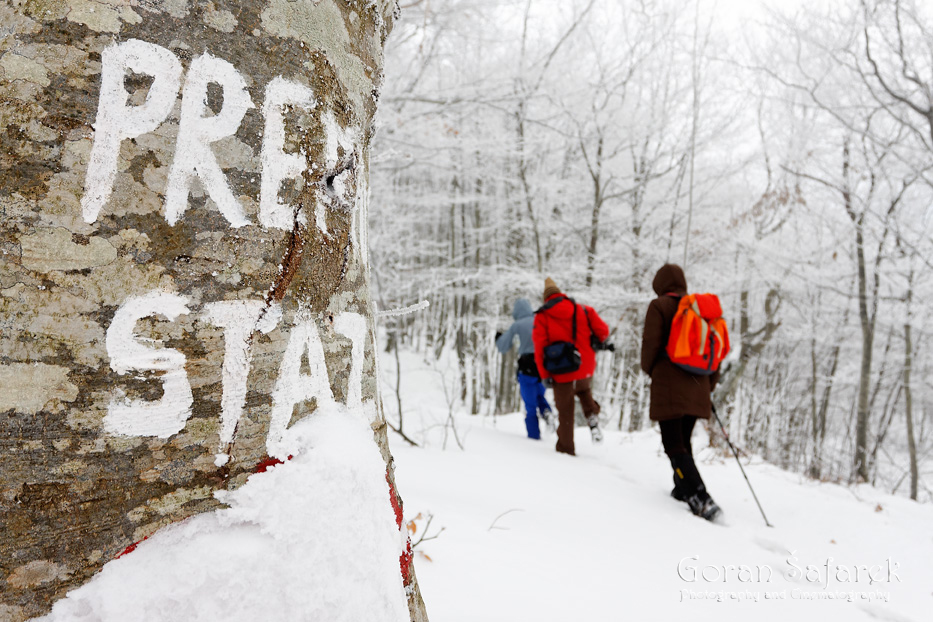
131 548
396 502
407 556
405 561
264 465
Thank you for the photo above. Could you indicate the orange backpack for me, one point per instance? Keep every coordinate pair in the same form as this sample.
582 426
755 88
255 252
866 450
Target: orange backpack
699 338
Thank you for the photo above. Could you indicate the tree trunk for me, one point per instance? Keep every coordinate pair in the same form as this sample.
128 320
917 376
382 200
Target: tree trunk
596 175
866 321
147 316
751 343
820 408
820 415
862 419
527 191
908 399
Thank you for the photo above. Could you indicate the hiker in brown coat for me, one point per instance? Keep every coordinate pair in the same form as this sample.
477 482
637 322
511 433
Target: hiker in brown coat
678 398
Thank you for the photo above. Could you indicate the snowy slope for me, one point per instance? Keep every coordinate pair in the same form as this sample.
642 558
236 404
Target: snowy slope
533 535
528 535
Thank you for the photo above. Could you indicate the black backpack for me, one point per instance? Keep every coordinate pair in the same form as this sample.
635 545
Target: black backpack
562 357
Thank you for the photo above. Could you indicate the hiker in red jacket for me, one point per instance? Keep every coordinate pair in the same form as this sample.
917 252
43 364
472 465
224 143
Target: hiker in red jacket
570 368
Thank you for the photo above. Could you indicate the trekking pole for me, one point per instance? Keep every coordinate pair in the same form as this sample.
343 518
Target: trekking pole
736 453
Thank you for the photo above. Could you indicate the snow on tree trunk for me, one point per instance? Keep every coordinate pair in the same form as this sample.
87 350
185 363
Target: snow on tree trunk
183 262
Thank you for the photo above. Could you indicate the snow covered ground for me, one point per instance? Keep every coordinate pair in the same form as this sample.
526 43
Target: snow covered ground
313 539
529 534
518 533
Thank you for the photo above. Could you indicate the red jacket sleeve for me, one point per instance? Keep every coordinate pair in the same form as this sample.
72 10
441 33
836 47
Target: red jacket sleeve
540 339
600 329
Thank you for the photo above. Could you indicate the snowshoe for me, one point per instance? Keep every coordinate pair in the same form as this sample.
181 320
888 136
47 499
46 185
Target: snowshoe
593 422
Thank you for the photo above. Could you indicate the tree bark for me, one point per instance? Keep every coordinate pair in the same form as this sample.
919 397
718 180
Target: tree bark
527 191
132 295
866 321
596 176
908 398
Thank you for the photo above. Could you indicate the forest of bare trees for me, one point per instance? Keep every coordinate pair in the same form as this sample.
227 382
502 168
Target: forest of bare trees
782 155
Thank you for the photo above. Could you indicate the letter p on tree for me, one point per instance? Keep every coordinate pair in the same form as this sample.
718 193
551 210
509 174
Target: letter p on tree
117 120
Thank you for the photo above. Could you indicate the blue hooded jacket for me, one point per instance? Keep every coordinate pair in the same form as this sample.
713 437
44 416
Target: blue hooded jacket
522 326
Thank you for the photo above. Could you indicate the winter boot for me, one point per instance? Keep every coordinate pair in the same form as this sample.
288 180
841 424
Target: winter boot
550 420
678 493
702 505
593 422
687 478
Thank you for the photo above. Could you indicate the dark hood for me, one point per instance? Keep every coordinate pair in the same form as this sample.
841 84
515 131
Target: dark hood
522 309
670 279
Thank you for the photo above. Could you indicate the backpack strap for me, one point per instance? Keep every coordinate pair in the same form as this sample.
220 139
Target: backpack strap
550 303
573 329
664 353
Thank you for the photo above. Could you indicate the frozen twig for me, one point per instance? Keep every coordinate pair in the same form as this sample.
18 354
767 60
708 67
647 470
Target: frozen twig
493 525
424 304
424 534
402 434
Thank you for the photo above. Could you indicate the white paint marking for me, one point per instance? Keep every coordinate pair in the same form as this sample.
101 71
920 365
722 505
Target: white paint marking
166 416
292 387
238 318
353 325
334 136
277 165
116 121
197 130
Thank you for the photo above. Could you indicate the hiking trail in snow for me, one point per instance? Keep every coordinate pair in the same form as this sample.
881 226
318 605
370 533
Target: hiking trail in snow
529 534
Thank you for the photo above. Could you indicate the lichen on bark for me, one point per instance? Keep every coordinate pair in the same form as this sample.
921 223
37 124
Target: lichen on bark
72 495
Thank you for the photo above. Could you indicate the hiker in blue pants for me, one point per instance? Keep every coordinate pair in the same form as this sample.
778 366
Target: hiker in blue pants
529 380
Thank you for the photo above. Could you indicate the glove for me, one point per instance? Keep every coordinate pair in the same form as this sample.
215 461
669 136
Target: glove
498 334
598 345
548 383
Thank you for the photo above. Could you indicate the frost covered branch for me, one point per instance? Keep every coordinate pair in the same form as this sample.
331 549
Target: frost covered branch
424 304
507 512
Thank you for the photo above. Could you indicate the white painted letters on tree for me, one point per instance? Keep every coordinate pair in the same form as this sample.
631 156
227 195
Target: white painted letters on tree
353 325
238 318
335 138
117 121
197 130
293 387
277 165
193 157
166 416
